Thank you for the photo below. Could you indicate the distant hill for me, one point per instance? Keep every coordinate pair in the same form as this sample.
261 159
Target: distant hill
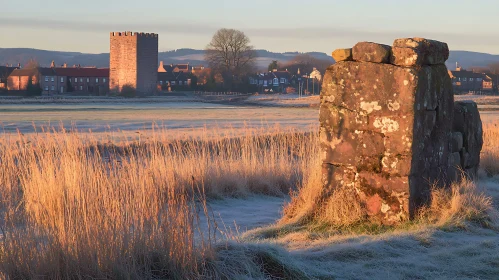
195 57
22 55
469 59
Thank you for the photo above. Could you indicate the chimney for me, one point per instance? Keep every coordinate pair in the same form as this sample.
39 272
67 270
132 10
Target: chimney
161 64
65 65
19 65
52 65
274 70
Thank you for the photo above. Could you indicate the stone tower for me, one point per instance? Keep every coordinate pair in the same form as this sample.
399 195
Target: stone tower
133 61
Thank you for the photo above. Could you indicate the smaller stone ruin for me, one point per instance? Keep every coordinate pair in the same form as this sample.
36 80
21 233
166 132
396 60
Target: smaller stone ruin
390 128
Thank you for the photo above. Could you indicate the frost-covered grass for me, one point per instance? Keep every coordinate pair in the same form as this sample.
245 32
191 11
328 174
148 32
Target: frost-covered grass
457 237
177 117
285 100
479 99
92 99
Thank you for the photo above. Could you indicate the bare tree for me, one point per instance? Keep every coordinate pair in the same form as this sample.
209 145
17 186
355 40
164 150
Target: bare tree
32 64
230 54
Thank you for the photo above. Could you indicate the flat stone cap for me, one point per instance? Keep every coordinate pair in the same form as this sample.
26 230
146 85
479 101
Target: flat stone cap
410 52
371 52
342 55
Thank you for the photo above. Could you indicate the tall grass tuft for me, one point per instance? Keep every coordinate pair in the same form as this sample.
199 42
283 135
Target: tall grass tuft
489 159
458 205
73 206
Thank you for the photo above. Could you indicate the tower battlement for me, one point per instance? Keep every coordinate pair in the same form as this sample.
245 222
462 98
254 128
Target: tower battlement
132 34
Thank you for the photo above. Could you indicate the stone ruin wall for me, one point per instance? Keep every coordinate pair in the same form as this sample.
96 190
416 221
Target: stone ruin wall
390 128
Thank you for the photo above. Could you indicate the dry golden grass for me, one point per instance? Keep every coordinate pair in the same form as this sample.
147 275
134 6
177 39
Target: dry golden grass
463 202
489 160
76 207
307 205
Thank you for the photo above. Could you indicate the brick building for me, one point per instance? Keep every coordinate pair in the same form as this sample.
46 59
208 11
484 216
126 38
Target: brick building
133 61
275 81
83 79
185 68
19 79
61 80
173 81
464 81
5 72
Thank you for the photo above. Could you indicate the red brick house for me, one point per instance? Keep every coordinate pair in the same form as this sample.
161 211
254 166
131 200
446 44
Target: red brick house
19 79
185 68
82 79
5 72
177 68
61 80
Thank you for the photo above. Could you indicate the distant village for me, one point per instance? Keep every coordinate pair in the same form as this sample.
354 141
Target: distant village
180 77
133 56
134 65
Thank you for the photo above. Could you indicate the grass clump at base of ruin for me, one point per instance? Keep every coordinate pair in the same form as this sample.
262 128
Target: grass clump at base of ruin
455 207
458 207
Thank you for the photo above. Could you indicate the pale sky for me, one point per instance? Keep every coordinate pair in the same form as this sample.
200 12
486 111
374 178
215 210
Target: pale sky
275 25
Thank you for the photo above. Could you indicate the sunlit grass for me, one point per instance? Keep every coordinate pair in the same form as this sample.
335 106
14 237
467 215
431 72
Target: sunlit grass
77 207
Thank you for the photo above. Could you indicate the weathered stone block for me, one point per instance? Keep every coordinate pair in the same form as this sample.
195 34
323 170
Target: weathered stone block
371 52
454 172
342 55
353 148
456 142
336 175
396 165
410 52
467 121
390 127
408 57
392 132
370 88
465 159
